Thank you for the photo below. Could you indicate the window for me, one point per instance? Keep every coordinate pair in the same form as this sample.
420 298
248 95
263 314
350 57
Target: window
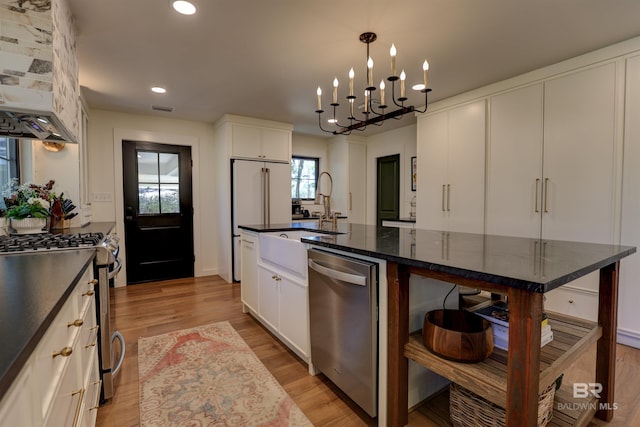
9 163
158 183
304 175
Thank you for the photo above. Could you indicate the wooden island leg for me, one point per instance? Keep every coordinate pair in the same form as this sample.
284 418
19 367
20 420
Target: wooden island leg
523 357
606 352
398 336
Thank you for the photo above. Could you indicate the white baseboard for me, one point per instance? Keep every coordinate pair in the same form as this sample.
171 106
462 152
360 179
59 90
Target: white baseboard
629 337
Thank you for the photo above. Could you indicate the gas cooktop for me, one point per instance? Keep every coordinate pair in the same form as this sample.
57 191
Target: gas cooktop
48 241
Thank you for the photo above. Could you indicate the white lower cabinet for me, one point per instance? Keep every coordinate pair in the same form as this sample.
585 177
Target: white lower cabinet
284 306
249 271
57 385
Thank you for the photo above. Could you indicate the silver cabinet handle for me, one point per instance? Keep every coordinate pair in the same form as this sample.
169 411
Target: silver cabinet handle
546 194
448 197
443 186
537 188
354 279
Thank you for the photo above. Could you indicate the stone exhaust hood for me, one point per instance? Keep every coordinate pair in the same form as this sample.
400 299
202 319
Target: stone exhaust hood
38 71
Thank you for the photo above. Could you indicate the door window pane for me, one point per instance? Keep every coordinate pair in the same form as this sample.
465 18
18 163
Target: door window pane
158 183
170 198
148 200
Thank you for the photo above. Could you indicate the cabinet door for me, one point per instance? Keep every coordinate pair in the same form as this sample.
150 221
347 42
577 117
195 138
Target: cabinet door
294 314
514 158
628 318
275 144
356 197
579 147
18 407
249 284
268 296
432 152
465 168
245 141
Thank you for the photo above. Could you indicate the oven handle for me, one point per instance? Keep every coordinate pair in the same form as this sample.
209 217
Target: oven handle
118 336
116 270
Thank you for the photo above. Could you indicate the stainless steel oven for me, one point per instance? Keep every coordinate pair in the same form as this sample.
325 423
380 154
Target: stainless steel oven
111 345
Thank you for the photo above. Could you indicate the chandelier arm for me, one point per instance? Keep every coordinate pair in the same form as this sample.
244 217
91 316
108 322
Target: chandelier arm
426 100
393 95
320 122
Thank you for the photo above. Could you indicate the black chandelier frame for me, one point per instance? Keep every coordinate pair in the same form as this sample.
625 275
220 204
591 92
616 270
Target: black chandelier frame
372 117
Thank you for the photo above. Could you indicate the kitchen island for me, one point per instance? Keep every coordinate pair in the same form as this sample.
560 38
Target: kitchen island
522 269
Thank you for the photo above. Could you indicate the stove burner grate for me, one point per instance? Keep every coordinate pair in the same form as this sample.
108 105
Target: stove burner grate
48 241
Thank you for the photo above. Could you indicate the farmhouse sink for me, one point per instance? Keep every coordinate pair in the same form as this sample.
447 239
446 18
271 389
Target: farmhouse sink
284 249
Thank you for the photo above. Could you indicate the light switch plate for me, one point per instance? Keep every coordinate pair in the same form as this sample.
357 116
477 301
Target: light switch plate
102 197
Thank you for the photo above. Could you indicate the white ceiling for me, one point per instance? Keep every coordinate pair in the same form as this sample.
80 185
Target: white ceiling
265 58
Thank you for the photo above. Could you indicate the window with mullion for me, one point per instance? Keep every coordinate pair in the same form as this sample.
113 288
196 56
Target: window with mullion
304 177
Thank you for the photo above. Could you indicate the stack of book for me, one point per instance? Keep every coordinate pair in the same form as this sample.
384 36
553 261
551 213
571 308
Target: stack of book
498 315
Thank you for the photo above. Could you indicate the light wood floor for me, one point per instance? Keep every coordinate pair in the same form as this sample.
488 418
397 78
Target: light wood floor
155 308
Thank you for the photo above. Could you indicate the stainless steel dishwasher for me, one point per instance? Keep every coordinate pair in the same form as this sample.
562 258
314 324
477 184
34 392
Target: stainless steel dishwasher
343 310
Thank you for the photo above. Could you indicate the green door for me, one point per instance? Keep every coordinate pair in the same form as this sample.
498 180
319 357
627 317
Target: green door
388 188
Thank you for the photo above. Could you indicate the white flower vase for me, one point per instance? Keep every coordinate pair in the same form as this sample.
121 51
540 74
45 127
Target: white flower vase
28 225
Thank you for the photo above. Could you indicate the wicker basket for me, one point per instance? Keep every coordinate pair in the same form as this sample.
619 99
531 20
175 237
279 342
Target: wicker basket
470 410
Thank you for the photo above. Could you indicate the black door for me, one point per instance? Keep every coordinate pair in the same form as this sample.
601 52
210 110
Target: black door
158 211
388 191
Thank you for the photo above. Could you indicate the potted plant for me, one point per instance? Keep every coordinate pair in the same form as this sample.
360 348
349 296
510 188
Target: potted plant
28 206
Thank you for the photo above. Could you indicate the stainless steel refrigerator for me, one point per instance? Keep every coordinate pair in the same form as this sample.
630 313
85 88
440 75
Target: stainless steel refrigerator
260 195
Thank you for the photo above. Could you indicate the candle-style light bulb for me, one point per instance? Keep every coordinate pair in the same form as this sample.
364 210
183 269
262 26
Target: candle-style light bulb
366 101
382 92
335 90
351 76
425 69
370 68
393 52
403 77
319 92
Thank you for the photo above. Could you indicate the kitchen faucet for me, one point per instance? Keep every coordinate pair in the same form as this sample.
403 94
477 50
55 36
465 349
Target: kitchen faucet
326 202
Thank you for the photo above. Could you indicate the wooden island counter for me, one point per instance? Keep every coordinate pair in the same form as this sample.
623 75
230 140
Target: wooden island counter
522 269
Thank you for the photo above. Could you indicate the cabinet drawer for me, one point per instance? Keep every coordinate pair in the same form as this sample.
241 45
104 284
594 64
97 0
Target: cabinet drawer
92 395
573 302
66 405
88 341
85 289
58 338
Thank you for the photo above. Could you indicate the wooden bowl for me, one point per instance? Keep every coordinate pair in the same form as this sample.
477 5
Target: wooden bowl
457 335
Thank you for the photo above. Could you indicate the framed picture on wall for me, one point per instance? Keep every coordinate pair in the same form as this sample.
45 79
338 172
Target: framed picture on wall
413 173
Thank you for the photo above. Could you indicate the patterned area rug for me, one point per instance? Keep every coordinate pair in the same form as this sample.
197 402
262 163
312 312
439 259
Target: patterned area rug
208 376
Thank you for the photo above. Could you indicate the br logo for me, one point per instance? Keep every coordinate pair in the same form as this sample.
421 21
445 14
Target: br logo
584 390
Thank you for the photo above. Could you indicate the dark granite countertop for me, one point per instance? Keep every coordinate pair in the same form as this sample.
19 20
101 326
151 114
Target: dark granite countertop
532 264
33 289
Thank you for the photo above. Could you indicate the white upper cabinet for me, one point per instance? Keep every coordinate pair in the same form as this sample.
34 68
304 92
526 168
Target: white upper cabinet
579 148
551 158
514 153
450 178
253 142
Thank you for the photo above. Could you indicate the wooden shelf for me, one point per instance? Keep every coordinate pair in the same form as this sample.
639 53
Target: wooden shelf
571 337
567 410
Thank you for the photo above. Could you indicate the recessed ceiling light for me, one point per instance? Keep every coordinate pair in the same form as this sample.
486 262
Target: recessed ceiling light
158 89
418 86
183 7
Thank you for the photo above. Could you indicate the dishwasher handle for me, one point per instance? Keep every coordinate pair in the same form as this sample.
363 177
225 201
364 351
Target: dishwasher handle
354 279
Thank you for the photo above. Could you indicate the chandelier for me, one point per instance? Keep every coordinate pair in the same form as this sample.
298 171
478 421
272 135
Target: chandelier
372 115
